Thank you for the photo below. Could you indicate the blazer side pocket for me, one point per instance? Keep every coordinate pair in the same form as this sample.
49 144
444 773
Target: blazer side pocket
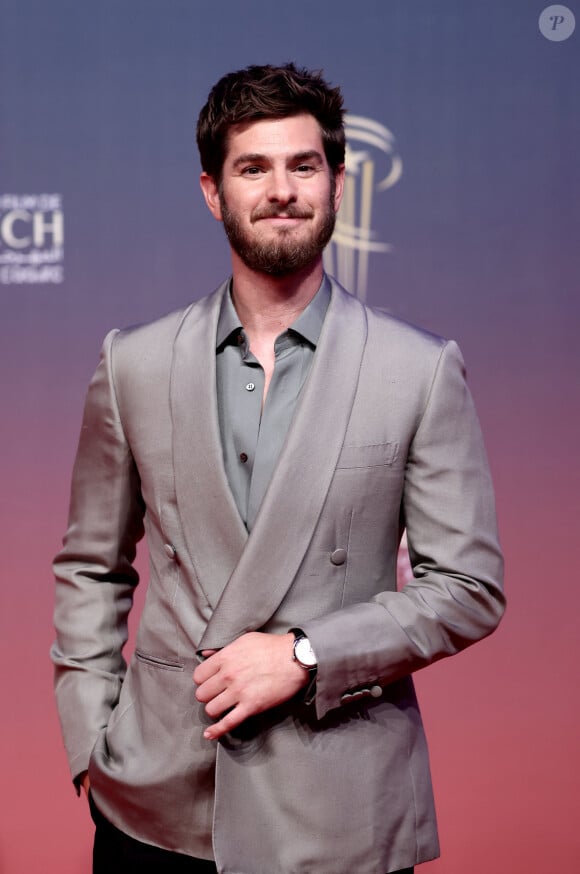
370 455
156 662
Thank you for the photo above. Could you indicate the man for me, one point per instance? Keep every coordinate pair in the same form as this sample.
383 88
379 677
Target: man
273 440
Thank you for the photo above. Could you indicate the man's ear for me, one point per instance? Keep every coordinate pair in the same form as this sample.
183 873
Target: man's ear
339 186
211 193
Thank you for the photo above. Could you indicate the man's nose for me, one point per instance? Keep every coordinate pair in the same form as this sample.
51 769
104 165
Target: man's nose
281 186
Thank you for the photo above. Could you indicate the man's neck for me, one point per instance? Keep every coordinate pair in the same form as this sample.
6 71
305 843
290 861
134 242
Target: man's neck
268 305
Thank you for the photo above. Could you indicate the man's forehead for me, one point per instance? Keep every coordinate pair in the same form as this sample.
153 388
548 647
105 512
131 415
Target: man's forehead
294 132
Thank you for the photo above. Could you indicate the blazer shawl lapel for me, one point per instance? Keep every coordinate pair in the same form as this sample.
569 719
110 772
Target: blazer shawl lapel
214 533
296 494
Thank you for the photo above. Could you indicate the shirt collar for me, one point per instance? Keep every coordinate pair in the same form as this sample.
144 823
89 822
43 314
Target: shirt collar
308 324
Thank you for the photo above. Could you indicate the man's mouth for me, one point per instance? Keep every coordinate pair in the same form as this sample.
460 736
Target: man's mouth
283 214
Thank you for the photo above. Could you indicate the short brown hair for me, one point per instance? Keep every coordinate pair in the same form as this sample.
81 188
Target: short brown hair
259 92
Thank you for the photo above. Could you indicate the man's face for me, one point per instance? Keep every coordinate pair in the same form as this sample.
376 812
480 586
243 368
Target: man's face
278 197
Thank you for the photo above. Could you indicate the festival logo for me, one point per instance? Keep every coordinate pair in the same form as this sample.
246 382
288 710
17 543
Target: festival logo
31 239
372 167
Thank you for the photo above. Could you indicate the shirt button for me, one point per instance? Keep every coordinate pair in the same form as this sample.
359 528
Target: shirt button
250 386
243 457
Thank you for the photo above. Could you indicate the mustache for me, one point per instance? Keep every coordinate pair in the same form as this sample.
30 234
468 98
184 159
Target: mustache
275 211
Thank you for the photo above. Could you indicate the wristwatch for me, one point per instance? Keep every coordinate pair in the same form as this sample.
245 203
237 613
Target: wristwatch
303 652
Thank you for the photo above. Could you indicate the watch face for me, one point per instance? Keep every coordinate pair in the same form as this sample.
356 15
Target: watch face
304 653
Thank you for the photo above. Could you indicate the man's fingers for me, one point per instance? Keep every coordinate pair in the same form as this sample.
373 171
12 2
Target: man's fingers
205 670
230 721
211 688
220 704
85 782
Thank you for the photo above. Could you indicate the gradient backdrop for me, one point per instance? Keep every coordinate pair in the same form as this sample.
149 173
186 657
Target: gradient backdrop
98 103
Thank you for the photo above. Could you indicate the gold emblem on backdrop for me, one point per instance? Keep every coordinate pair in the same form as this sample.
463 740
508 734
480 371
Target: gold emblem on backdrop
372 167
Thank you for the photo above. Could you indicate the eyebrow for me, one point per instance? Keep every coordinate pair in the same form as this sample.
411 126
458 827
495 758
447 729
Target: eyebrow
256 157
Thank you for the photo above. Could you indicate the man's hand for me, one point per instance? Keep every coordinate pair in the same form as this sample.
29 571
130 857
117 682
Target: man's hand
246 677
85 782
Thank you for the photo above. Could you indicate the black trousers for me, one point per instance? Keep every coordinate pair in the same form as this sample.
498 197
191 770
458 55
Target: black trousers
116 853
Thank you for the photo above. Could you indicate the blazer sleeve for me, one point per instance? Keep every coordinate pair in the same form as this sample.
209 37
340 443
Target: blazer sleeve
456 596
95 579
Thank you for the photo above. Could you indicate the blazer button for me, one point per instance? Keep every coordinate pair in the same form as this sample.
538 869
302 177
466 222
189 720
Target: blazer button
338 556
170 551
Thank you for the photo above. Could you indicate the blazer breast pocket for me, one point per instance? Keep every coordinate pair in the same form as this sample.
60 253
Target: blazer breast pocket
368 455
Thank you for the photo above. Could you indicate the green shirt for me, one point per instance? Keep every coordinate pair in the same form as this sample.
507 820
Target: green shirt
251 438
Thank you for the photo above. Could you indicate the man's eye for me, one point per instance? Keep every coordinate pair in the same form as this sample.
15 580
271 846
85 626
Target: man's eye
304 168
251 171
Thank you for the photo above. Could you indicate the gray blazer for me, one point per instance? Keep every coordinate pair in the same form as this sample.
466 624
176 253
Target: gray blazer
384 437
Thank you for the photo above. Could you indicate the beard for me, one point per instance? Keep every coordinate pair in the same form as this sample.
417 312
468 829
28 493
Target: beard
286 254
